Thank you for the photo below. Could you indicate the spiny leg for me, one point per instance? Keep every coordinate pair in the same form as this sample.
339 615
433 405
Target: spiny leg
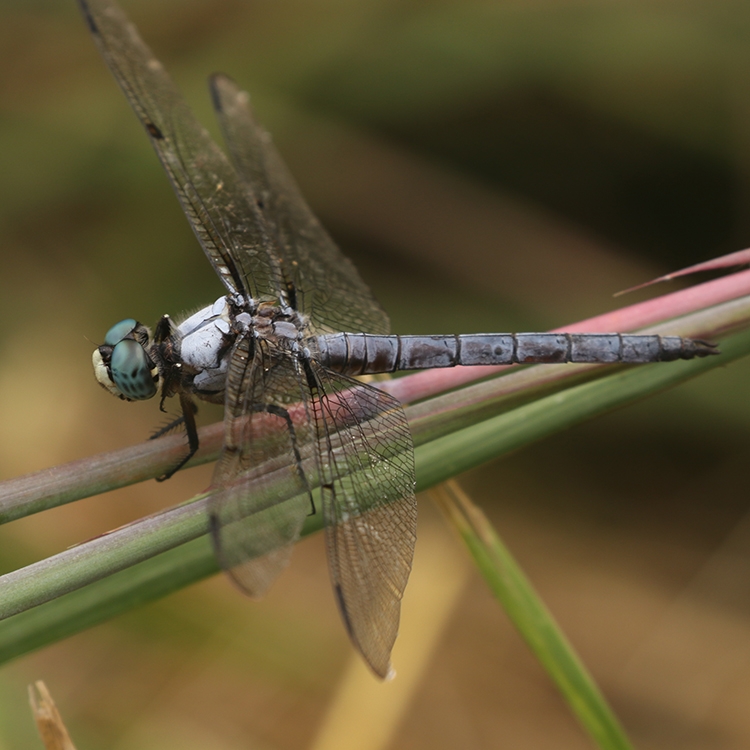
167 428
188 419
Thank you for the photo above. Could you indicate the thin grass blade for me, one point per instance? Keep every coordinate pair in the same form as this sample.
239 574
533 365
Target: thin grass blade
531 618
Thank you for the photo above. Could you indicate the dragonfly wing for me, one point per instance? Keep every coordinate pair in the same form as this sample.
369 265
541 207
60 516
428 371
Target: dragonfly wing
369 509
327 286
261 488
223 214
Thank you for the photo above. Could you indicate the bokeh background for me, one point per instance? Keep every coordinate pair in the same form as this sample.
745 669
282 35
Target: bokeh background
489 165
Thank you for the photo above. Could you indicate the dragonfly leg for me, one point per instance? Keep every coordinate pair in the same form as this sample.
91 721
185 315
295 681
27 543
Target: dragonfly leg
282 413
167 428
188 419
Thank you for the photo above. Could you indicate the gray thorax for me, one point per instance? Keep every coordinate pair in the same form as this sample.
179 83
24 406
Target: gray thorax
204 341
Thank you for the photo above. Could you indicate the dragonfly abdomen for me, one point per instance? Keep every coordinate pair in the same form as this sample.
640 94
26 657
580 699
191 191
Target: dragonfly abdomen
362 353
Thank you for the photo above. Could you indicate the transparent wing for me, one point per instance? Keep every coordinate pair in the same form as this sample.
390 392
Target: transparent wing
222 213
263 479
327 286
369 508
293 427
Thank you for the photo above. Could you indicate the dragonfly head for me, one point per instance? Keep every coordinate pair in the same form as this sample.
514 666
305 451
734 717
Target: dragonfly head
122 364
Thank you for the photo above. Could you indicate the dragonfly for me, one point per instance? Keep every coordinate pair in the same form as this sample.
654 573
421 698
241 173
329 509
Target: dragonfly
282 350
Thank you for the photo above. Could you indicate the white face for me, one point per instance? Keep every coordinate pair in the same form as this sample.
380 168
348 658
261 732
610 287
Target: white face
101 372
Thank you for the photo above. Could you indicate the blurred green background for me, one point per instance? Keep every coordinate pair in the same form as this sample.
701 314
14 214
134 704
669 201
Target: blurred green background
500 165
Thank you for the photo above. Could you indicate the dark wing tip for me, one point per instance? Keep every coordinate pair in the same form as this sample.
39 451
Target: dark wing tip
222 87
221 78
88 17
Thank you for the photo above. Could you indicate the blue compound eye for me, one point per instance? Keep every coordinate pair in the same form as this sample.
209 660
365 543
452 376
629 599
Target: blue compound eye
132 371
119 331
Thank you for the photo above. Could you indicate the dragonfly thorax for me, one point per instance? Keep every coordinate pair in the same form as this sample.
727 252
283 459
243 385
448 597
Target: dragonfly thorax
201 345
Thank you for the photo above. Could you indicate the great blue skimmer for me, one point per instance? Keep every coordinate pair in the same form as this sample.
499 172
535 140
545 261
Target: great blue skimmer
280 350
